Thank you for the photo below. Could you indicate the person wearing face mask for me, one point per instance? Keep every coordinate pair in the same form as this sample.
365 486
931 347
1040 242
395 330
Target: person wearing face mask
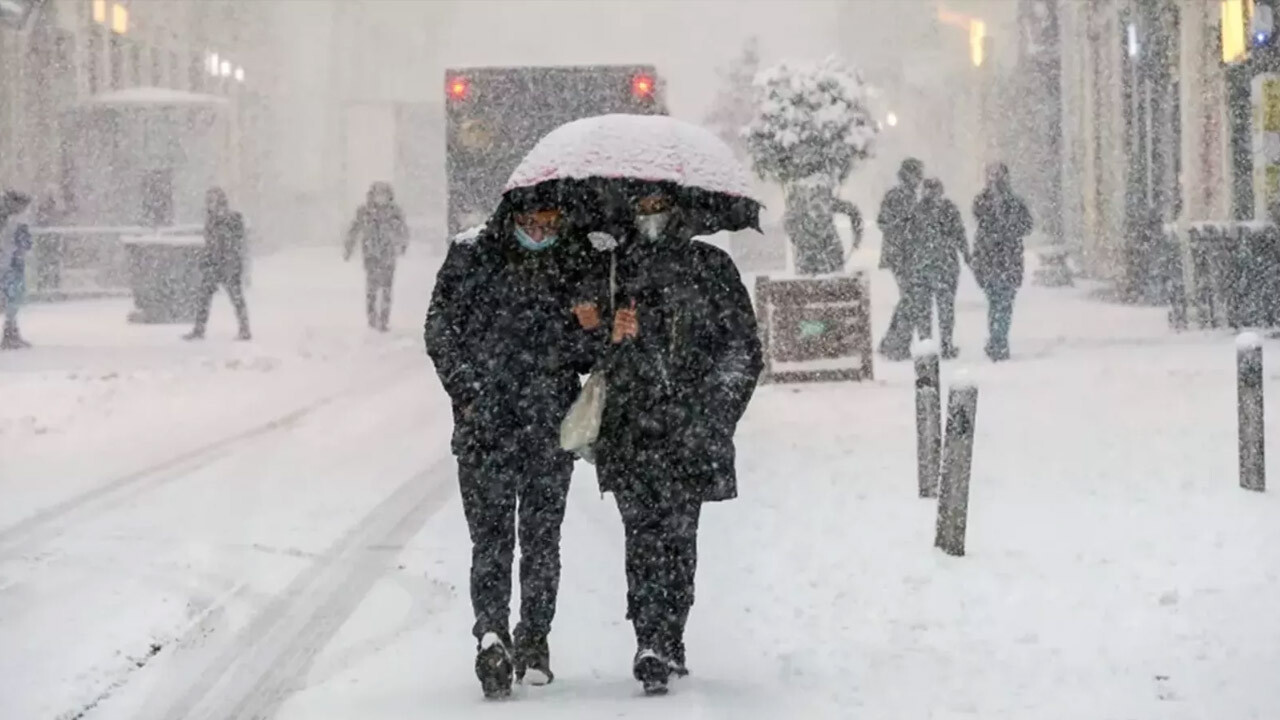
681 364
383 235
502 333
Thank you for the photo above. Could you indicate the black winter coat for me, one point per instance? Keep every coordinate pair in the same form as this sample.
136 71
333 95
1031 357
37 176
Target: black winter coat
224 243
942 242
675 393
1003 221
505 343
381 231
897 222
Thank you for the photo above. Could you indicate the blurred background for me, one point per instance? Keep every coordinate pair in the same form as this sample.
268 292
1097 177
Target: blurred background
1115 115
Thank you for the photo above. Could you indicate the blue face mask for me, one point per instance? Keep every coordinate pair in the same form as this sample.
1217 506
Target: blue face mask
529 243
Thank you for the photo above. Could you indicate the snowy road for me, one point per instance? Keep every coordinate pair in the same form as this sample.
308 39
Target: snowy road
273 530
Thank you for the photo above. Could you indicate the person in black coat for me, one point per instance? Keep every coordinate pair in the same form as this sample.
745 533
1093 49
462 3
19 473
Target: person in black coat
1003 221
942 247
682 363
899 225
380 228
502 333
221 263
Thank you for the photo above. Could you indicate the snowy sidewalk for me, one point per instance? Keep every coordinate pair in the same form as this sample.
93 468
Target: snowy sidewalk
1114 571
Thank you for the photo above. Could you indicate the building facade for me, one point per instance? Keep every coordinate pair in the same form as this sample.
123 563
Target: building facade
1147 129
68 52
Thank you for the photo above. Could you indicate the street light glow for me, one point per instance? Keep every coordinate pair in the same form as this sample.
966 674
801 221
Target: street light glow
239 74
891 119
225 68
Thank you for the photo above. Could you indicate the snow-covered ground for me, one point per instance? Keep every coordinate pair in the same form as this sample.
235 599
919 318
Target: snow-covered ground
272 529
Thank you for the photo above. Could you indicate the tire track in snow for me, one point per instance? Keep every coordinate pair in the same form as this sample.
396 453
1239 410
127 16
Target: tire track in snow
268 660
25 535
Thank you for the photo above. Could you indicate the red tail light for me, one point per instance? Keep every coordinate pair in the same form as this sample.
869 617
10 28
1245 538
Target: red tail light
642 86
458 88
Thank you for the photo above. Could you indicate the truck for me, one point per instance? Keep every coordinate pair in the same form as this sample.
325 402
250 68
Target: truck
495 115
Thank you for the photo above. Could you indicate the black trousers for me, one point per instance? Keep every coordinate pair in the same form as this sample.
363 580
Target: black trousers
942 291
231 279
661 560
910 316
379 277
999 318
497 489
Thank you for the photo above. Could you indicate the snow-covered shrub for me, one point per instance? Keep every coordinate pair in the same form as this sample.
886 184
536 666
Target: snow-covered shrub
810 120
812 125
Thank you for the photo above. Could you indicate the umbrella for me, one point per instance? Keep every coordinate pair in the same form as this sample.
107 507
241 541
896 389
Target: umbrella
656 150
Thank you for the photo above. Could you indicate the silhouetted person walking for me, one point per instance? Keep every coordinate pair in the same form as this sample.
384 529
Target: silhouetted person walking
1003 221
383 236
222 262
898 221
942 247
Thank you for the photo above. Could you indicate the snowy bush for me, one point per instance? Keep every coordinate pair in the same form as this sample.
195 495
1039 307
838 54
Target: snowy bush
811 122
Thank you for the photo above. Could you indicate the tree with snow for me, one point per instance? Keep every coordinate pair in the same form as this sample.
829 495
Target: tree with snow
734 106
812 125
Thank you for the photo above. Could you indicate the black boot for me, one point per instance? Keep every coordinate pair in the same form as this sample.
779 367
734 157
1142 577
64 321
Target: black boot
652 670
12 339
494 666
676 659
532 659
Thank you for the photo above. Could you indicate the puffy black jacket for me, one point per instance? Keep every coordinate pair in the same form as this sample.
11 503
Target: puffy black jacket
224 242
381 231
505 343
897 222
676 392
1003 221
942 241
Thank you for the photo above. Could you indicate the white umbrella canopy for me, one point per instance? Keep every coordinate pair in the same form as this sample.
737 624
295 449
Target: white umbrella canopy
601 160
653 148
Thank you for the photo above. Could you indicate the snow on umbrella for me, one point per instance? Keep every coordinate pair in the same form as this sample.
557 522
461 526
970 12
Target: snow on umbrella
709 181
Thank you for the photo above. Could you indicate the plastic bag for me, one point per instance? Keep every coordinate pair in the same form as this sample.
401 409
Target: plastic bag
581 425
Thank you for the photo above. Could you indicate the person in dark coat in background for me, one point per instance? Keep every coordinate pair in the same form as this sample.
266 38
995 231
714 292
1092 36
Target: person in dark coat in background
222 263
383 235
898 221
15 243
1003 221
682 363
942 247
502 333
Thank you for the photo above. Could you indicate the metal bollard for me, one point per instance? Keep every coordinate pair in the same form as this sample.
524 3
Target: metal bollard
1250 413
957 458
928 420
